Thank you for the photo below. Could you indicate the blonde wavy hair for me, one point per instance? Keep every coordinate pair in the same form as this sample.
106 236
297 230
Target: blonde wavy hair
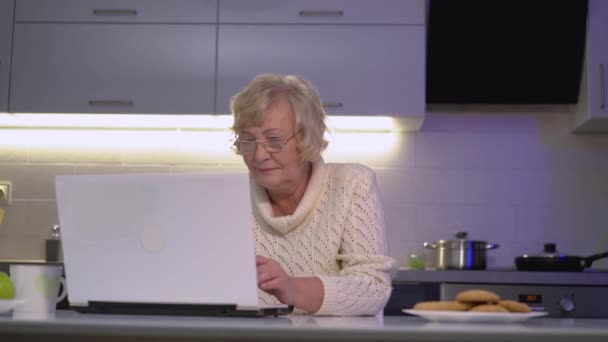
251 104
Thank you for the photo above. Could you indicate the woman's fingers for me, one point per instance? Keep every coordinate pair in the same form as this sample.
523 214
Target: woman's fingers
260 260
268 269
265 265
271 284
273 279
264 276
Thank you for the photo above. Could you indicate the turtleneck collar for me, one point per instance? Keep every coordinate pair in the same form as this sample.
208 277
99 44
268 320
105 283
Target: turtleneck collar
287 223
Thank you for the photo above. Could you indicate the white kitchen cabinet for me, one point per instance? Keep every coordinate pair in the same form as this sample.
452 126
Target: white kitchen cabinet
153 56
364 57
6 32
382 12
356 69
592 109
113 68
114 56
112 11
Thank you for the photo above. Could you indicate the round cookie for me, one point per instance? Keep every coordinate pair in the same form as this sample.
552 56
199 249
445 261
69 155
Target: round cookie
442 306
514 306
488 308
477 296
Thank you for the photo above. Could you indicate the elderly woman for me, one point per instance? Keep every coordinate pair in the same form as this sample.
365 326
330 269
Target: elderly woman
319 228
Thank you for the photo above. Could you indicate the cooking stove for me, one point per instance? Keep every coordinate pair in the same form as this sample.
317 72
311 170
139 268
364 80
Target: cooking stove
561 294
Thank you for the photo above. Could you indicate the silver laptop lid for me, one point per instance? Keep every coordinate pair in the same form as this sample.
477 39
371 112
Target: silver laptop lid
158 238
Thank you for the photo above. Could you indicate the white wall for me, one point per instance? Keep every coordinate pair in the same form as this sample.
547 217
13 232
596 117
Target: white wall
511 175
515 178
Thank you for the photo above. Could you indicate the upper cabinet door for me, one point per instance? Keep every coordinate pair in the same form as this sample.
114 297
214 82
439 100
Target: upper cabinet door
597 50
6 32
591 114
132 11
322 12
113 68
357 69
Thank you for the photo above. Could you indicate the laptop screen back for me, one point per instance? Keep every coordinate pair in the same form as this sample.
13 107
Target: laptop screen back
158 238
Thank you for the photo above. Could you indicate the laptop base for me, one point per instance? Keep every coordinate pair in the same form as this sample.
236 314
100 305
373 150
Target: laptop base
163 309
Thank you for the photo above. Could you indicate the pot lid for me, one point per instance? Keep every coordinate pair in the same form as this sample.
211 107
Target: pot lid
549 251
461 242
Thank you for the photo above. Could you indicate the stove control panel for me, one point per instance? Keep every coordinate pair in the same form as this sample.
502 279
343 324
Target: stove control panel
558 301
567 303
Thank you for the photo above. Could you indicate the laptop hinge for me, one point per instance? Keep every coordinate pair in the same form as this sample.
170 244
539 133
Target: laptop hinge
157 309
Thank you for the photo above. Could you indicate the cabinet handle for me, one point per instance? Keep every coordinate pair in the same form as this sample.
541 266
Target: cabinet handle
321 13
602 87
118 103
332 105
115 12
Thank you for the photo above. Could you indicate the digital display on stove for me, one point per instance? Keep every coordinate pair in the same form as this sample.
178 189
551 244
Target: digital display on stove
531 298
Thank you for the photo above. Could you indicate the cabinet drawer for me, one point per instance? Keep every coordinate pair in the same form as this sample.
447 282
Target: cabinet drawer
407 12
119 68
369 70
136 11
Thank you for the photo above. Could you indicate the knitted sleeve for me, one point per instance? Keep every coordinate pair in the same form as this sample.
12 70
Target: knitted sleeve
363 285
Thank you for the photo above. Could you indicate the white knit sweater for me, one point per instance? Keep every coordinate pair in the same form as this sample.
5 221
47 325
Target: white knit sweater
336 233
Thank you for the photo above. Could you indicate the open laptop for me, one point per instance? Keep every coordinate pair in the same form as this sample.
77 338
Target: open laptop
170 244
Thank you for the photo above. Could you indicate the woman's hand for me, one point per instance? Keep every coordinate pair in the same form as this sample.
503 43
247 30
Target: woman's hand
305 293
273 279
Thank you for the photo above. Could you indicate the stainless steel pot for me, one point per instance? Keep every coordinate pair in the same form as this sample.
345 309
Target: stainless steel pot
460 254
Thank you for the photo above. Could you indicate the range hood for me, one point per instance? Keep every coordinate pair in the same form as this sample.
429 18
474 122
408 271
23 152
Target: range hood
505 51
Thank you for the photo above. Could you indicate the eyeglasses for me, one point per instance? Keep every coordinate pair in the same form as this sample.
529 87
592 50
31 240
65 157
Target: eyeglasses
271 145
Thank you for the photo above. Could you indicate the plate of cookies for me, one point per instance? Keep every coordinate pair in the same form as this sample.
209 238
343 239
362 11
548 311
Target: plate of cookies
474 306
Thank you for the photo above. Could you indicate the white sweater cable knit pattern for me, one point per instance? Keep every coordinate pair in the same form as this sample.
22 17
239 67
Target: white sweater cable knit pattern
336 233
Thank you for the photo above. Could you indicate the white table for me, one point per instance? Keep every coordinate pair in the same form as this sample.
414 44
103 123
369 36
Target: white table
72 326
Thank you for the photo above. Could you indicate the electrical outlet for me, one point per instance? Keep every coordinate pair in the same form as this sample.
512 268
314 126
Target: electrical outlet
5 193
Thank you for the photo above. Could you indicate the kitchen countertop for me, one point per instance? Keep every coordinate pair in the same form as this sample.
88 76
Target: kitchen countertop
504 276
23 261
72 326
589 277
6 263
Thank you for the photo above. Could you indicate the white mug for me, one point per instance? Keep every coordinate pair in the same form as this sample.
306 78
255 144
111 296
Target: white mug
36 289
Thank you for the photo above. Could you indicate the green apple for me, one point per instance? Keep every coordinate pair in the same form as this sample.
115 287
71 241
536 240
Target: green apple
7 291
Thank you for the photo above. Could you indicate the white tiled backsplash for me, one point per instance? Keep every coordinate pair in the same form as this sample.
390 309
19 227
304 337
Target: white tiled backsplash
517 177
